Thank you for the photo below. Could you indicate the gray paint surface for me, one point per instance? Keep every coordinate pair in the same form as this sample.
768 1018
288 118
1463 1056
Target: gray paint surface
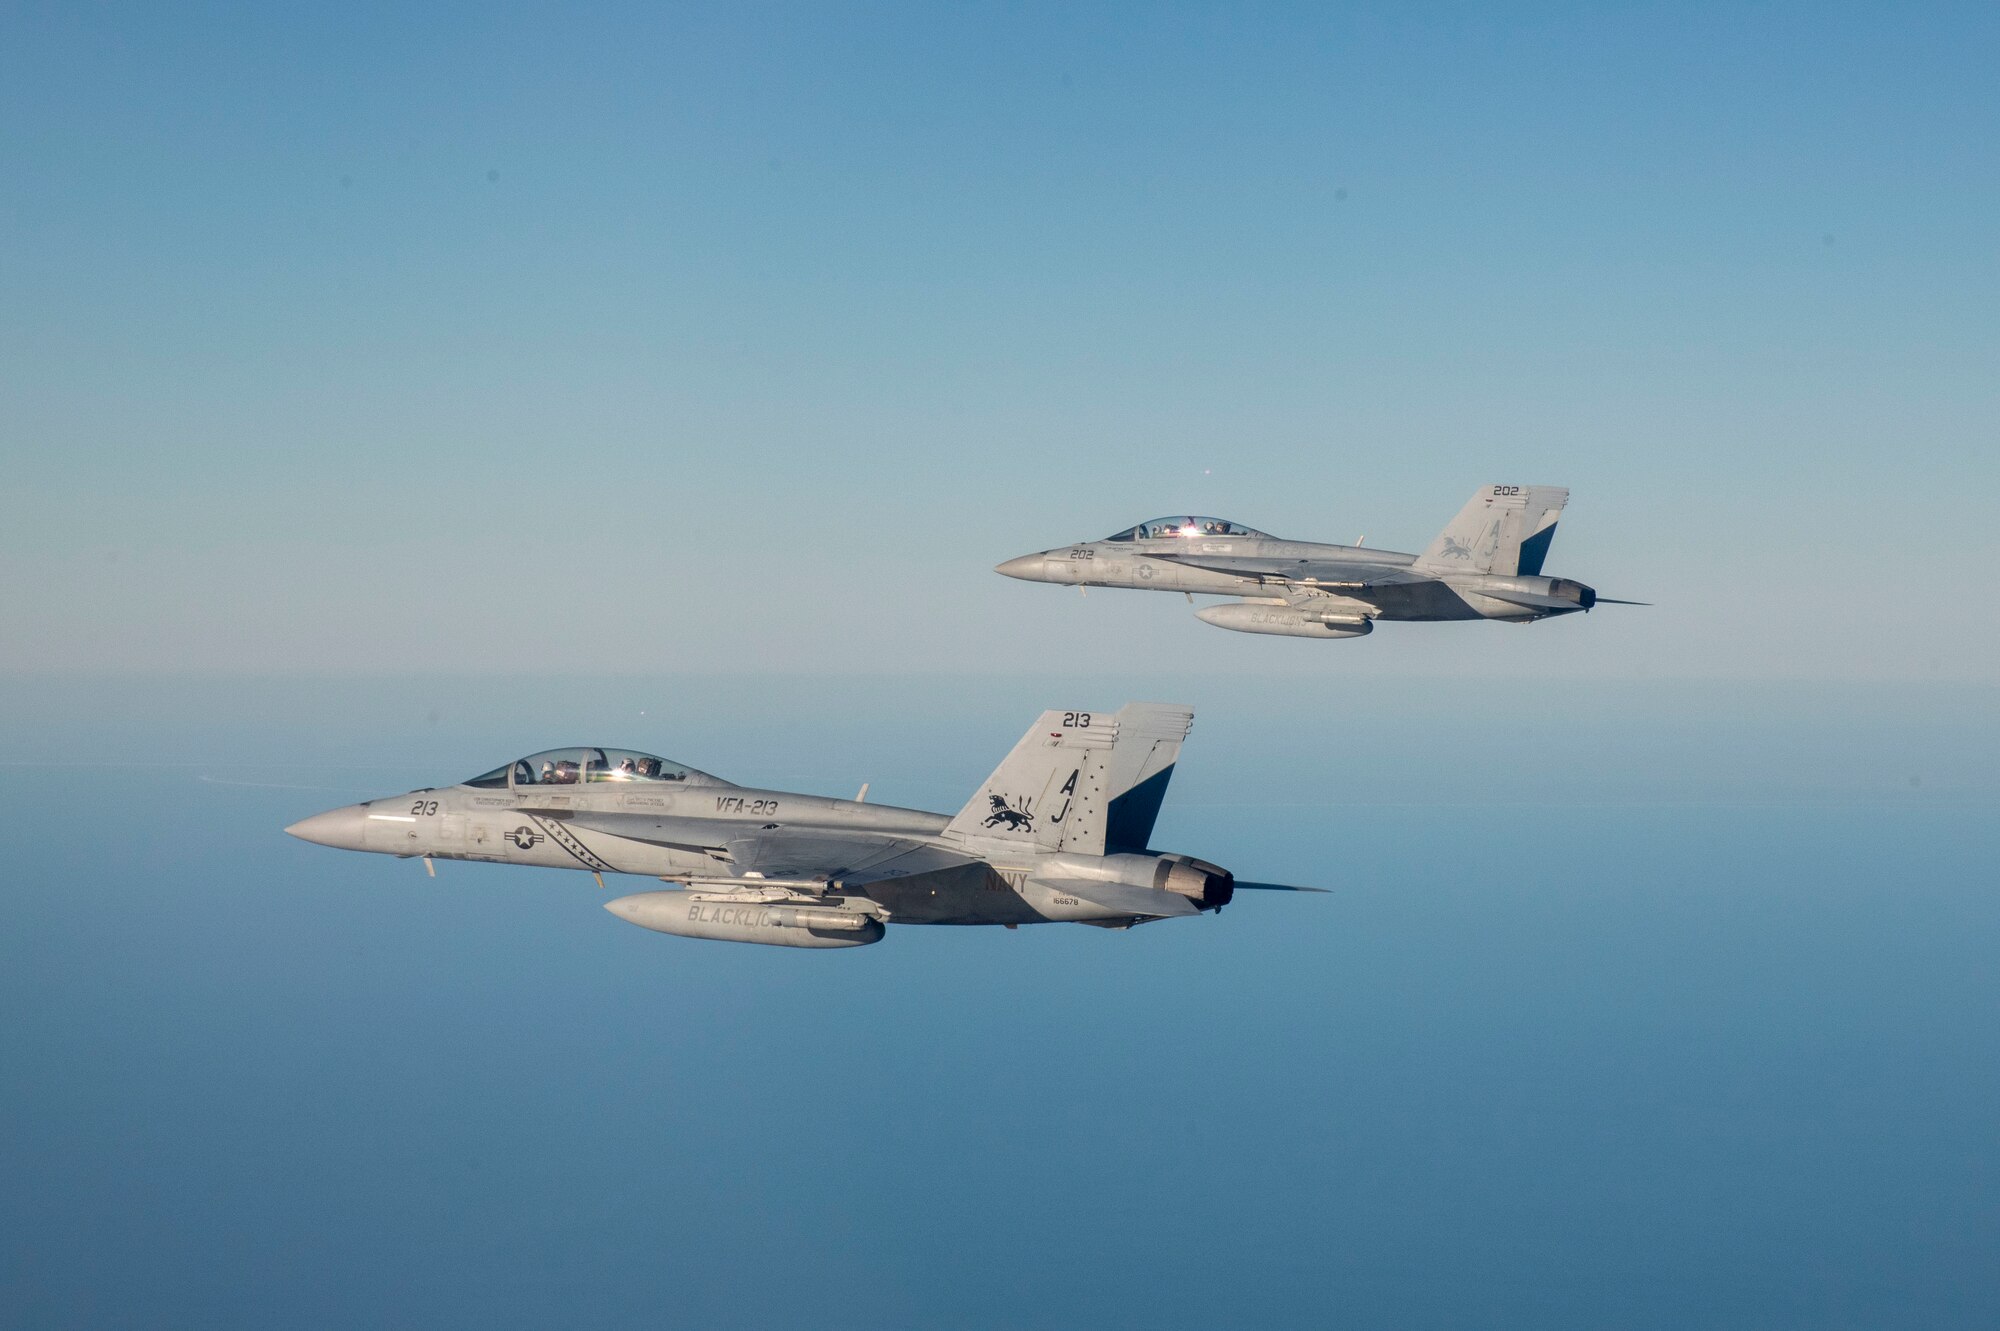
1486 564
1057 834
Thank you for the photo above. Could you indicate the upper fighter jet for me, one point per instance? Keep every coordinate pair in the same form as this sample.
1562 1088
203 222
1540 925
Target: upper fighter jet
1057 833
1486 565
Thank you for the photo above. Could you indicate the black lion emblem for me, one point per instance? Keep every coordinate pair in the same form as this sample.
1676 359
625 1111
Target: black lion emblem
1014 820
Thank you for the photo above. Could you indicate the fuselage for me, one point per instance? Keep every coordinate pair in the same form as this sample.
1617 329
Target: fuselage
538 825
692 829
1340 579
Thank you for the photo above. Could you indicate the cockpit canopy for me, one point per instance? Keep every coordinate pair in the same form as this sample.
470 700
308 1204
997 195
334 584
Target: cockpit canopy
1182 529
577 767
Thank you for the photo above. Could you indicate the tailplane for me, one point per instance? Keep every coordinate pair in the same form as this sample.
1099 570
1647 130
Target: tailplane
1502 529
1085 782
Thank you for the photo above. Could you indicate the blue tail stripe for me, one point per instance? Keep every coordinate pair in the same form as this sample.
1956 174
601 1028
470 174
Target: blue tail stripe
1534 550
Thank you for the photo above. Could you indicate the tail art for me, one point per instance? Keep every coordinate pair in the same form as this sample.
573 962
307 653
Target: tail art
1503 529
1085 782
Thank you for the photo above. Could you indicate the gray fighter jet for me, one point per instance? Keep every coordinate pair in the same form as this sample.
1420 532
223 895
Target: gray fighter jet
1486 565
1057 833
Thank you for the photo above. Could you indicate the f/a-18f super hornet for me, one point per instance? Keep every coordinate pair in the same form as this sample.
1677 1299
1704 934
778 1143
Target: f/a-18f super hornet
1486 565
1058 833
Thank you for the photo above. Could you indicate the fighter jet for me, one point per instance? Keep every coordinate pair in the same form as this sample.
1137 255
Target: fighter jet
1486 565
1058 833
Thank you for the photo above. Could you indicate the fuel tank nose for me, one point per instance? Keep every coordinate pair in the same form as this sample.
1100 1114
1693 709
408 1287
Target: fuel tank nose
780 924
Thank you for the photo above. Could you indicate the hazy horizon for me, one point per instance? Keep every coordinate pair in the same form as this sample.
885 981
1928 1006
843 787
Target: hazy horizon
386 393
1654 1006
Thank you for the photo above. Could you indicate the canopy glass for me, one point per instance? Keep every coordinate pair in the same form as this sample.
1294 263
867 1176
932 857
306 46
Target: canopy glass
575 767
1184 529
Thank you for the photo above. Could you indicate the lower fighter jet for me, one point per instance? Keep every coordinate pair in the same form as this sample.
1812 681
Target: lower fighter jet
1486 565
1057 834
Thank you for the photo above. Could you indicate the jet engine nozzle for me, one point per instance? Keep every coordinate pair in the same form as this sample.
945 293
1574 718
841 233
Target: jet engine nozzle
1209 884
1567 590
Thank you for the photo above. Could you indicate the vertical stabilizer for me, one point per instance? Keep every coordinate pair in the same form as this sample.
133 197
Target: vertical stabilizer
1502 529
1149 744
1545 507
1085 782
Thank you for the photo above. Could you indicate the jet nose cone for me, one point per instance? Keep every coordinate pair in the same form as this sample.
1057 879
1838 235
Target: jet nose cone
1027 566
339 828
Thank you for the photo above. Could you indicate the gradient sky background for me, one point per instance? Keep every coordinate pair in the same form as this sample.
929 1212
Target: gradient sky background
384 394
357 339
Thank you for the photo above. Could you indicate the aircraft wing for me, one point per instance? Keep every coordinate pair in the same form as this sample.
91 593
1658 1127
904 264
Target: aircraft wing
855 857
1347 578
709 835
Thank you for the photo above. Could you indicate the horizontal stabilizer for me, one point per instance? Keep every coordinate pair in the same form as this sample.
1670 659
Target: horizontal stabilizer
1140 902
1584 597
1530 600
1242 886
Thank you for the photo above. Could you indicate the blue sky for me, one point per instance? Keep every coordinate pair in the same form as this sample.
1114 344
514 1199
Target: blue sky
388 391
364 340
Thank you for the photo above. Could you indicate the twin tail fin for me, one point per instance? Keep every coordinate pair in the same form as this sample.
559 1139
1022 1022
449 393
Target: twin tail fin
1085 782
1503 529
